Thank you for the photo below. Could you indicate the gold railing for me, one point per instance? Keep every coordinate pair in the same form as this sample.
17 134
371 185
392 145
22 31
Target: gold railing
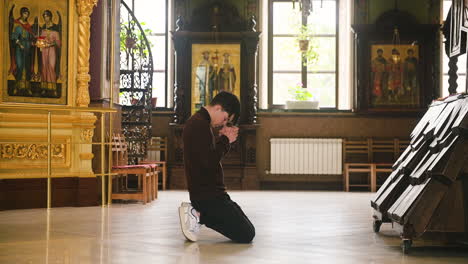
105 141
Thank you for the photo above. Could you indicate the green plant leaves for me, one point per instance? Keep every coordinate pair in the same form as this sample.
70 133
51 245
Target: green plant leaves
299 93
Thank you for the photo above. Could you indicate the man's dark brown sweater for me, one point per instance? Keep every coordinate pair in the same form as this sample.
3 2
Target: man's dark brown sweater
202 157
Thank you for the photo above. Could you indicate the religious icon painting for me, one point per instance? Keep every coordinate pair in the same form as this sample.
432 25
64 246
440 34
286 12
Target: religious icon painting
215 68
35 48
394 76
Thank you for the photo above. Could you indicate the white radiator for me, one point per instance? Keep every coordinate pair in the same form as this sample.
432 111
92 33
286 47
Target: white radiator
306 156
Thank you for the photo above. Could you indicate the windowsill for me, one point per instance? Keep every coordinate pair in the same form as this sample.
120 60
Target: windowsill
304 112
335 113
323 109
309 112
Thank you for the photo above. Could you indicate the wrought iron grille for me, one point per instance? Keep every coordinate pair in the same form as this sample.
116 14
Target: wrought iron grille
136 80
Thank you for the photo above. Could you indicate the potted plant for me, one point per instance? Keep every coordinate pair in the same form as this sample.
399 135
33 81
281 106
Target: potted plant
132 40
154 100
301 98
303 37
306 46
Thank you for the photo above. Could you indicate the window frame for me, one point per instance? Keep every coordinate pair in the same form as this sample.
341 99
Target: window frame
303 71
444 68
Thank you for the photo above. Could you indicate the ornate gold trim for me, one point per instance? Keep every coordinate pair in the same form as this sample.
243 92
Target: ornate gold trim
42 118
85 8
87 134
86 156
36 175
31 151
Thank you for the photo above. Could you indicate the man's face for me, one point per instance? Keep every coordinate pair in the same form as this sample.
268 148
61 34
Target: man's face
220 117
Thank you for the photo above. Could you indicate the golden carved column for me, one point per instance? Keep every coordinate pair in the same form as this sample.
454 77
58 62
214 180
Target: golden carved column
85 8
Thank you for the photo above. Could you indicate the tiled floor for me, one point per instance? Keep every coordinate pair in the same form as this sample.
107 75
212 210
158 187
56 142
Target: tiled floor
291 227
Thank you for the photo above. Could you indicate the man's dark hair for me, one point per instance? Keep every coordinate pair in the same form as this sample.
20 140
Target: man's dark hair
229 102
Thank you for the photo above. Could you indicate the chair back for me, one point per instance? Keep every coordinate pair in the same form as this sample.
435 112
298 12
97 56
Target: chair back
357 150
157 149
383 150
119 150
400 146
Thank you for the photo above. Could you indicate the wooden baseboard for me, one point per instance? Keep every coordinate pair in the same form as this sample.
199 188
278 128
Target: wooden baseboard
32 193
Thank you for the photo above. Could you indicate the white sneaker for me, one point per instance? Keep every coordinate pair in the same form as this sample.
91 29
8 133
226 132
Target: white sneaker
189 221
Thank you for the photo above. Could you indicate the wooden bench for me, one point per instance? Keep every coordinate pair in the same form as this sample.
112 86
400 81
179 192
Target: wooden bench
147 175
158 145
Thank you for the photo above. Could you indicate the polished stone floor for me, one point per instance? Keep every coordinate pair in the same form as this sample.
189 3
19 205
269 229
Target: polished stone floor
291 227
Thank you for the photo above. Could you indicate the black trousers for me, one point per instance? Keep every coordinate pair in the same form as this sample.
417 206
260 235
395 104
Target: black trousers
226 217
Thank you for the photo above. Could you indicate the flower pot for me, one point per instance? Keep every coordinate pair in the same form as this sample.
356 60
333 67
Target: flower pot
153 101
303 45
302 104
130 43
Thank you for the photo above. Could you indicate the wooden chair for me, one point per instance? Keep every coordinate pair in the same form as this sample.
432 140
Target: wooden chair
357 160
383 150
369 164
379 171
145 173
357 150
352 169
400 146
157 154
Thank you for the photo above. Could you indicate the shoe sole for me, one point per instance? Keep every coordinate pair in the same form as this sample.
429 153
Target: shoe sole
189 236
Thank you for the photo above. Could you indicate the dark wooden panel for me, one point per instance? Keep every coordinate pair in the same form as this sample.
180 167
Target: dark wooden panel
24 193
88 192
176 179
64 192
32 193
449 215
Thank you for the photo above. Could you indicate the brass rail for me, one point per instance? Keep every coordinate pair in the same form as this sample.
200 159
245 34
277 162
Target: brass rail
103 143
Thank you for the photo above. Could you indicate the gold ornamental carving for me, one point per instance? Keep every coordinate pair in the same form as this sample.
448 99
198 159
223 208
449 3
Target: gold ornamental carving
86 156
31 151
87 134
85 8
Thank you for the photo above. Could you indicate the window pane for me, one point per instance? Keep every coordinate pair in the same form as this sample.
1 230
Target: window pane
287 57
286 18
281 83
286 54
159 52
446 8
461 82
323 18
159 88
323 88
152 13
326 54
461 64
